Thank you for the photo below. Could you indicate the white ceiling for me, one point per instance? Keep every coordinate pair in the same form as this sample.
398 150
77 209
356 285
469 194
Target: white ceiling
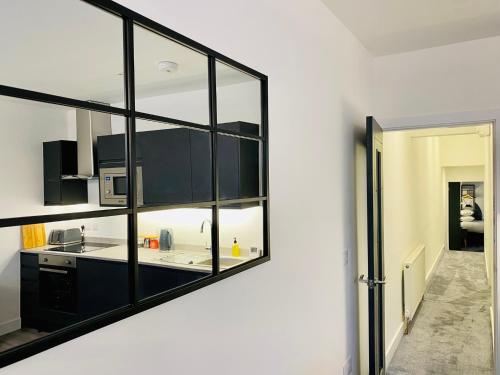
387 27
69 48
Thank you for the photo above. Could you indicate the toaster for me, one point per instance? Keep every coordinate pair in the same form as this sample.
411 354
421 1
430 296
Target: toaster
65 236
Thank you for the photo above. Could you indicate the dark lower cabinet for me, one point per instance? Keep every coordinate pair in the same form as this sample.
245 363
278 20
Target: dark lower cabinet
154 280
30 305
102 286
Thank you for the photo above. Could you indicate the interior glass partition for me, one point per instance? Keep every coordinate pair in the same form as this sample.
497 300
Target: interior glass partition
132 158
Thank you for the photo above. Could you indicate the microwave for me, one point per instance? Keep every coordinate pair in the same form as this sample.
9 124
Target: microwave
113 186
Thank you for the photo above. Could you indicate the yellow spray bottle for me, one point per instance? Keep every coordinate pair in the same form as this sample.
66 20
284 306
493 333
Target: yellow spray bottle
235 250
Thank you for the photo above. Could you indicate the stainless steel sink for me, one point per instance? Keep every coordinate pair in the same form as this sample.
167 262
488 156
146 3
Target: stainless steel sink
223 262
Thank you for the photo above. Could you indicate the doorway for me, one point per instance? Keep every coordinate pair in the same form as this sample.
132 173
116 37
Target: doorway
438 299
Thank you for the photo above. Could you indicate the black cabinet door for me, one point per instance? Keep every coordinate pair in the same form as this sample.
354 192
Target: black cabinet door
111 149
238 161
154 280
249 168
59 159
229 169
185 276
52 172
157 279
166 170
30 312
102 286
201 166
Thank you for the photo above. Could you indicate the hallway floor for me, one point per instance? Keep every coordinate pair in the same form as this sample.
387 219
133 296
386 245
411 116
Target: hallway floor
452 331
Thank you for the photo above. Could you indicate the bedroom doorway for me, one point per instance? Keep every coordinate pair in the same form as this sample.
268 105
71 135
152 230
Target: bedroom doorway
439 251
466 205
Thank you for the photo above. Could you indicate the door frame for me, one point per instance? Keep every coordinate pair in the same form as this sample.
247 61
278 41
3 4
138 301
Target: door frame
454 120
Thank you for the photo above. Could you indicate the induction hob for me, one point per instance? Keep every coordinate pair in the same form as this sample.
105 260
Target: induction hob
80 247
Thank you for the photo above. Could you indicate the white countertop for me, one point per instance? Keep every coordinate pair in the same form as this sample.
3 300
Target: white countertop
183 257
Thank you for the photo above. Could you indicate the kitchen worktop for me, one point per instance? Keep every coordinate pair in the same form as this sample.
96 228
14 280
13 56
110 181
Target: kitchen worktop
182 257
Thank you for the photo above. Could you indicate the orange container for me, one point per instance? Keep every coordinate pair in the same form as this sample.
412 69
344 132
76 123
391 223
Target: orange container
154 243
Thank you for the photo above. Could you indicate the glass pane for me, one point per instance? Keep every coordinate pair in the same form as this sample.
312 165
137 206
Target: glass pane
240 167
241 234
238 100
174 248
54 275
171 80
175 162
66 48
52 162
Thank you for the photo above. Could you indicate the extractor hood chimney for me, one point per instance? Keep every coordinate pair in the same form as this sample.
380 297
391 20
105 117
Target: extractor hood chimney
90 125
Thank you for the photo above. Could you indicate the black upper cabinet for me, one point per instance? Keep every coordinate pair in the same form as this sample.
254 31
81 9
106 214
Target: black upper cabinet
166 166
176 163
238 161
60 159
240 127
201 166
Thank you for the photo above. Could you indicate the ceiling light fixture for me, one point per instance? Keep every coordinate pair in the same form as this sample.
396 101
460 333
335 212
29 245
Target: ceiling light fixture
168 66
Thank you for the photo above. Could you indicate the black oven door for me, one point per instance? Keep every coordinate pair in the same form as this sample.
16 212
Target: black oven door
58 289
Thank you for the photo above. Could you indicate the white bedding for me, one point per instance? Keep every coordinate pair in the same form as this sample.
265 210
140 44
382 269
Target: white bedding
476 226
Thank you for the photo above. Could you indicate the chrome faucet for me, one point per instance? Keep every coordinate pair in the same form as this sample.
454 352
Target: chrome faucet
207 246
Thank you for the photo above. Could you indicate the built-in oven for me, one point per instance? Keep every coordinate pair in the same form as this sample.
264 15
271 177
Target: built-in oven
57 280
113 186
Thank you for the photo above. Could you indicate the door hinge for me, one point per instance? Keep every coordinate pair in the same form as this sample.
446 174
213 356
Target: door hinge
371 283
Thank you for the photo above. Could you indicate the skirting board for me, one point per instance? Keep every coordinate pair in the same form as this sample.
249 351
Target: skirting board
391 349
492 320
10 326
434 265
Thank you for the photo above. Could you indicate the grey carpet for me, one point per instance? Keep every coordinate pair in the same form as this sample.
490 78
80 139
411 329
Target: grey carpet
452 331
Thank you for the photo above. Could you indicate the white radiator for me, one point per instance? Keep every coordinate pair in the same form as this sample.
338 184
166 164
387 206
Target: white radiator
413 281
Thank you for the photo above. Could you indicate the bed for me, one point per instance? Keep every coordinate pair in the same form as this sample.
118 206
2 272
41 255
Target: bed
476 226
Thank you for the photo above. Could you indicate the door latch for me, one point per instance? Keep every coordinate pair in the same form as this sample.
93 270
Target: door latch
371 283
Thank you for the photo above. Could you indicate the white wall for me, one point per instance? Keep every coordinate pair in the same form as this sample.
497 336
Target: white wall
462 150
457 83
413 216
479 198
28 125
296 314
459 174
400 226
22 187
489 211
429 206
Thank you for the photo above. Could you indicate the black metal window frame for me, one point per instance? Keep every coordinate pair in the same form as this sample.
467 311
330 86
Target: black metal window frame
131 18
